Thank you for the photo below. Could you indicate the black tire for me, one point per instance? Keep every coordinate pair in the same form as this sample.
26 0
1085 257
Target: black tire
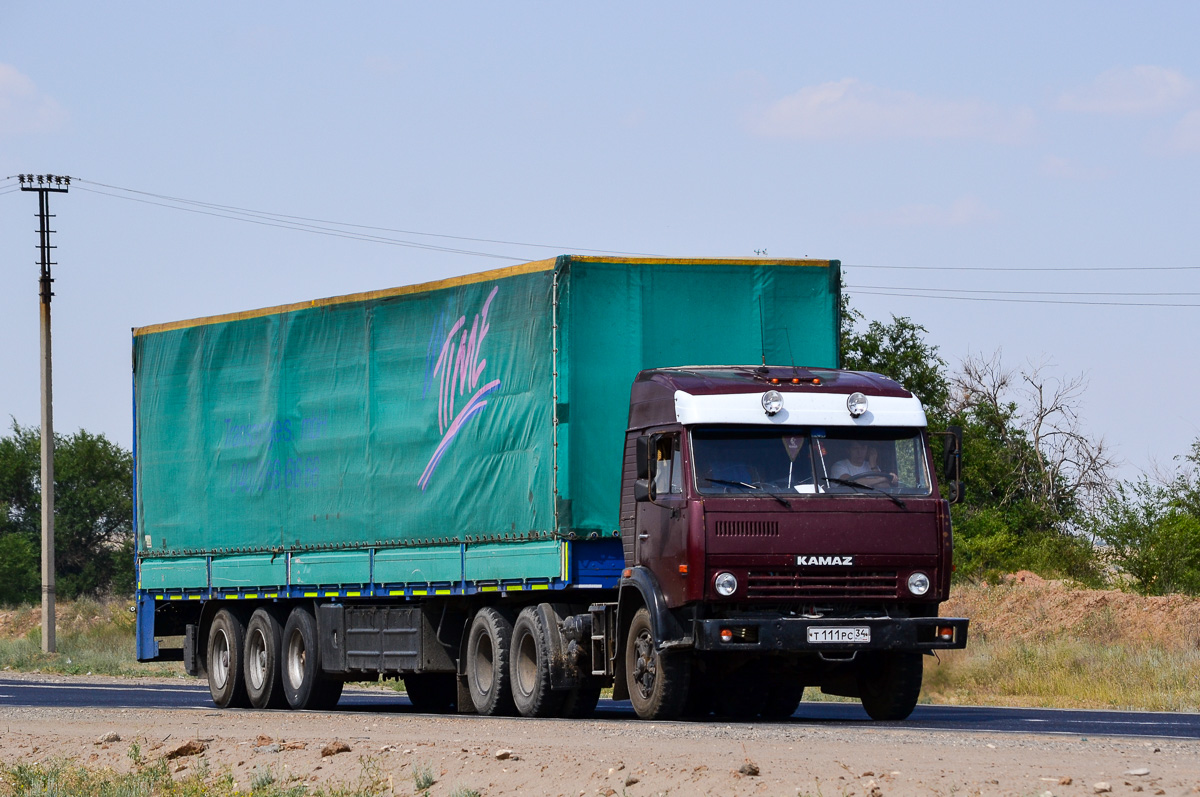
432 692
263 671
580 702
327 693
701 692
226 651
742 693
303 684
889 684
489 642
783 697
529 661
658 679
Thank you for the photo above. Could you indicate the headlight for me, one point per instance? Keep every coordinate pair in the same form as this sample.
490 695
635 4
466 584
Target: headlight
726 584
857 404
918 583
772 402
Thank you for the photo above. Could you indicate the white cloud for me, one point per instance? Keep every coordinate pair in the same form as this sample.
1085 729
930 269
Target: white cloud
23 109
1139 90
1185 136
849 108
962 212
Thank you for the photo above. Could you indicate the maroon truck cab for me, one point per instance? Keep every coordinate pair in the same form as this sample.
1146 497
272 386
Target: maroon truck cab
783 528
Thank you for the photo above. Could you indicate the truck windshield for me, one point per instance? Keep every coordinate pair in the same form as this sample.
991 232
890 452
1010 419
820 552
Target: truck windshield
810 460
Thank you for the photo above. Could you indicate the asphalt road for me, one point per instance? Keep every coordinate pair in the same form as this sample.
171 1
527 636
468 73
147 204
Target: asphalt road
194 695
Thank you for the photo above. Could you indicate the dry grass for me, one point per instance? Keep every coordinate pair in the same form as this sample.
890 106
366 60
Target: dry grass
1046 643
91 636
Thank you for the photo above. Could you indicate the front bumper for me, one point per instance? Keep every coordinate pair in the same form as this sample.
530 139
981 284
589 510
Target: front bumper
790 634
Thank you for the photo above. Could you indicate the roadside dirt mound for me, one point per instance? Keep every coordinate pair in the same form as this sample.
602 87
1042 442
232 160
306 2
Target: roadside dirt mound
1028 608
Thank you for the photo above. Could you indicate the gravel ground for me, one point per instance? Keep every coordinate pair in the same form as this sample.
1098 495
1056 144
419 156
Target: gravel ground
579 757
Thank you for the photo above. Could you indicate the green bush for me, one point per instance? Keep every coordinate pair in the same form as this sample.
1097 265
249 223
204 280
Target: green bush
1152 536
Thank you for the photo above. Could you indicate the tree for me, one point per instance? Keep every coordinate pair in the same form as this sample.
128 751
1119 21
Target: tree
1151 530
93 515
898 351
1032 472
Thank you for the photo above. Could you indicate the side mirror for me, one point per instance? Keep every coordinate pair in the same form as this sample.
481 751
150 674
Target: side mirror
643 457
641 490
952 463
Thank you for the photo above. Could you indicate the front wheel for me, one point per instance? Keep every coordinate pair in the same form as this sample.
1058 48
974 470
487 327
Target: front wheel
889 684
657 679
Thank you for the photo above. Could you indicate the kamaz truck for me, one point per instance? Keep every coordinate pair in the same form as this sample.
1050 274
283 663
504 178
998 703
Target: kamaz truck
520 487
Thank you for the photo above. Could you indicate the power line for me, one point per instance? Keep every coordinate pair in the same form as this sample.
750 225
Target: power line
1036 269
309 228
1016 301
1023 293
304 222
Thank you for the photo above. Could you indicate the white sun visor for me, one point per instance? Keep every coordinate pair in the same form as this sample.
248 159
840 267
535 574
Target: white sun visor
799 409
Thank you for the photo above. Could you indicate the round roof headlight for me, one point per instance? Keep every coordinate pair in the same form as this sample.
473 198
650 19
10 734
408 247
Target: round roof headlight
857 404
726 584
918 583
772 401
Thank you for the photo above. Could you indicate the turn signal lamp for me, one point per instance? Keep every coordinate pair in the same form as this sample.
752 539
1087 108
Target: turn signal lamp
945 633
726 635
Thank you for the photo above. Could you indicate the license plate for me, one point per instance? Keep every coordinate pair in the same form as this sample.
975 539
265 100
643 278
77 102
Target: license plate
856 633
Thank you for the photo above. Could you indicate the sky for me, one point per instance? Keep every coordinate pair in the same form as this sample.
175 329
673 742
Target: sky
1021 178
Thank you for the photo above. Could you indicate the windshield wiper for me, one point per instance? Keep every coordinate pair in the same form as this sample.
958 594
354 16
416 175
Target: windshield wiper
778 498
852 483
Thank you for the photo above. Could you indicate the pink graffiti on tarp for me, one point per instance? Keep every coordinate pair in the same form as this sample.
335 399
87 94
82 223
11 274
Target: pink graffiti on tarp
458 370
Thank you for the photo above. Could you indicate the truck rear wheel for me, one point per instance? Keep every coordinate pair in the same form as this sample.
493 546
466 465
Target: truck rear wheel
303 684
530 661
489 643
264 674
889 684
226 651
432 692
658 679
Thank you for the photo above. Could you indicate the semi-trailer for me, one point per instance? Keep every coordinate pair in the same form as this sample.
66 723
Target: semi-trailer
516 488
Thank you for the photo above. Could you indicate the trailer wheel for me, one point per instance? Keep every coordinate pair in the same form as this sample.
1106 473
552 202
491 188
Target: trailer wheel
303 684
226 649
488 645
889 684
263 671
432 692
530 662
658 679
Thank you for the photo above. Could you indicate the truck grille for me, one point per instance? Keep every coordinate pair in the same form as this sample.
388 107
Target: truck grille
816 586
747 528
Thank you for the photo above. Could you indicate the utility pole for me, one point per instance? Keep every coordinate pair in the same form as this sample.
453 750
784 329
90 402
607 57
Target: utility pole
46 184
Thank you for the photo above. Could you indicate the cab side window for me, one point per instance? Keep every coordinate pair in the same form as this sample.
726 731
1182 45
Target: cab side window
668 465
